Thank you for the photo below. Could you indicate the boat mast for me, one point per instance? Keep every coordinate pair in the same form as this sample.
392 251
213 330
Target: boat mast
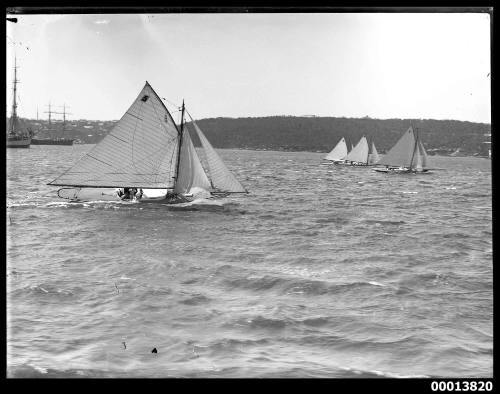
180 143
13 116
368 154
414 147
64 113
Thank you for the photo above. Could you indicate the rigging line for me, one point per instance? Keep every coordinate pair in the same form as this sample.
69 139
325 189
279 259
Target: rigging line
133 136
164 128
172 103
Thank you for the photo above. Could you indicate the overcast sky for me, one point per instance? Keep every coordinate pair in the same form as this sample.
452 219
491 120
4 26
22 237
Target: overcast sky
353 65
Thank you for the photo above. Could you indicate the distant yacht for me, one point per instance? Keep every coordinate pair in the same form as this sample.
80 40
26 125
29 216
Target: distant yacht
338 153
18 136
407 156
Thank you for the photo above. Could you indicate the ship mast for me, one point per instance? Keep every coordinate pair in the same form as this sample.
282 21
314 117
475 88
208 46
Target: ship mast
64 113
49 112
13 119
414 147
180 143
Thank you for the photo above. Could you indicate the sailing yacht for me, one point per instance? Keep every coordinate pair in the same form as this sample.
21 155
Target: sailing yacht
408 155
358 156
338 153
147 151
18 135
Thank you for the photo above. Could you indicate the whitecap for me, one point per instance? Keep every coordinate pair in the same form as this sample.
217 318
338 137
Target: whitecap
377 284
394 375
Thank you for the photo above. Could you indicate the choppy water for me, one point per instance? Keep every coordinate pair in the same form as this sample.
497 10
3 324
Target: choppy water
319 272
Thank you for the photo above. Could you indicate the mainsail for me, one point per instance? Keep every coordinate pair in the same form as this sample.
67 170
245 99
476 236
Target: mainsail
222 178
373 157
140 151
191 173
359 153
400 155
339 152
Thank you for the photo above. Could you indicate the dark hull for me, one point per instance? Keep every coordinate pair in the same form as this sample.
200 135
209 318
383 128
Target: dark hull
401 171
18 142
62 141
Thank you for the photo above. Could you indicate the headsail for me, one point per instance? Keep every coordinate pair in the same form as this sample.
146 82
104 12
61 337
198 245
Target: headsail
339 152
140 150
222 178
360 152
423 153
400 155
373 157
191 173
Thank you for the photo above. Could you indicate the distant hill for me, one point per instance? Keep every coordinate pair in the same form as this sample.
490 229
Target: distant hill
316 134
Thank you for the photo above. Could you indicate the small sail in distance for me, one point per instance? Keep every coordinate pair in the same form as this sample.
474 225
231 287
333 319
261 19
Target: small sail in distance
359 154
339 152
373 157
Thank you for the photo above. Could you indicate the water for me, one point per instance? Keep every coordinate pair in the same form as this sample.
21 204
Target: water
321 271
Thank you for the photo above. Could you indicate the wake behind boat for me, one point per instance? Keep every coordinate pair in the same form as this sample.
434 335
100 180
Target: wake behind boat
148 158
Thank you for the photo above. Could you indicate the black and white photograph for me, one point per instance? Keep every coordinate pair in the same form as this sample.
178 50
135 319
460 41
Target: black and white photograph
250 193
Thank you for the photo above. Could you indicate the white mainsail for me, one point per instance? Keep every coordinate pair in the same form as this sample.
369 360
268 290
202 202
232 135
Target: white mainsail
373 157
222 178
339 152
140 151
400 155
191 173
359 153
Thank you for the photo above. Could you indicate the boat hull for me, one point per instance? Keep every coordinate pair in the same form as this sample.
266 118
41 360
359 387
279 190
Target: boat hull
400 171
61 141
87 195
18 142
351 164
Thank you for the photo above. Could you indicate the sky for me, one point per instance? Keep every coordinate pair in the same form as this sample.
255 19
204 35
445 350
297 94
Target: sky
381 65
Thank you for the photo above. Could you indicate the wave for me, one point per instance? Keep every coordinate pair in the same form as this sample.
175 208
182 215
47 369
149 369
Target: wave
47 290
385 222
197 299
298 286
30 371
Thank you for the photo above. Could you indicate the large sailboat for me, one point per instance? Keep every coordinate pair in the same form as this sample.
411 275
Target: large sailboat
408 155
147 152
18 135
